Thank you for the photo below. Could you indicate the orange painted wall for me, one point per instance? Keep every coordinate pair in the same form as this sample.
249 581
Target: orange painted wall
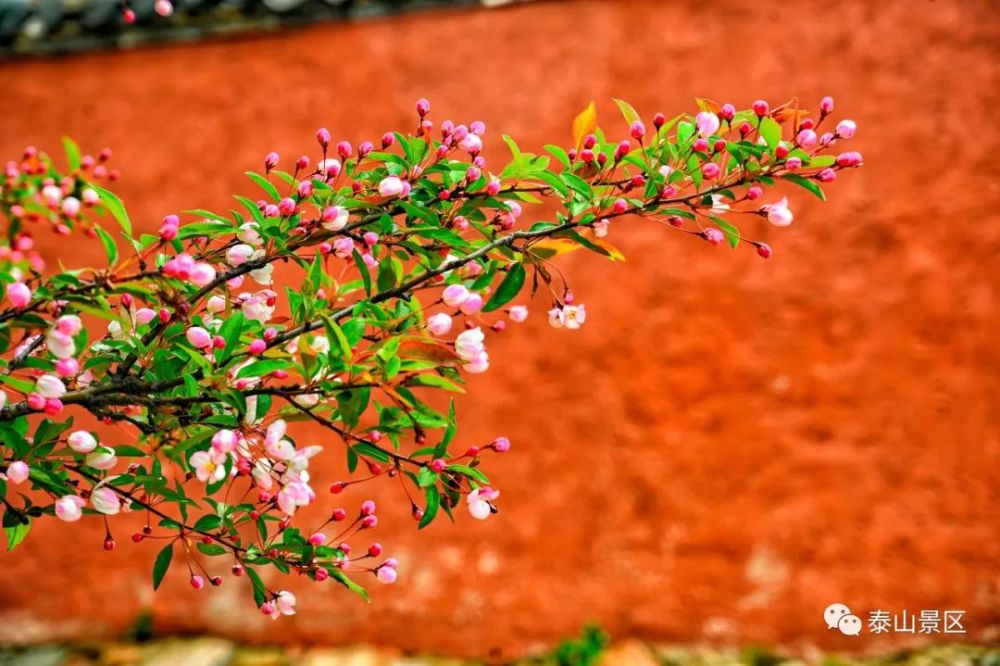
729 444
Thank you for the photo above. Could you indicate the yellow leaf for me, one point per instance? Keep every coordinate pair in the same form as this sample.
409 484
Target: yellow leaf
551 247
584 124
708 105
613 252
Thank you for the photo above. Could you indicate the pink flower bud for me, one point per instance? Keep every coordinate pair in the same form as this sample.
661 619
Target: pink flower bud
793 163
367 508
658 120
317 539
17 472
257 347
471 305
589 141
846 128
500 445
713 236
69 508
388 139
344 149
390 186
306 189
423 107
197 582
18 294
707 123
755 192
36 401
806 139
67 367
620 206
710 170
518 313
764 250
270 161
827 175
826 105
386 575
849 159
369 522
728 111
760 107
439 324
163 7
71 206
493 187
323 137
637 130
53 406
438 465
455 294
781 151
700 145
287 206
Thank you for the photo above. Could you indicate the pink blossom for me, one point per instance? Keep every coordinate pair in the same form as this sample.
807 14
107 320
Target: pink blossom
81 441
208 467
439 324
18 294
807 139
479 502
343 247
17 472
334 218
471 144
69 324
105 500
199 337
224 441
707 123
67 367
778 213
714 236
144 316
455 294
70 508
390 186
71 206
60 344
518 313
284 604
50 386
472 304
568 316
469 343
238 255
202 274
386 575
846 128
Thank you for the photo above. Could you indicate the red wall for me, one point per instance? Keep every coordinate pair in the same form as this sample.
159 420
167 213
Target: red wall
729 444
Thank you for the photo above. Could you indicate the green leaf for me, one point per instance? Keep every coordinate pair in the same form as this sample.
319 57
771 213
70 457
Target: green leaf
732 233
259 590
771 131
115 207
508 289
433 502
264 367
264 184
16 534
631 115
72 153
470 472
161 564
370 451
230 332
808 184
109 245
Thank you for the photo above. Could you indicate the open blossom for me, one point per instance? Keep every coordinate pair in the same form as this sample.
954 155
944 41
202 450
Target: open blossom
778 213
469 344
17 472
293 495
249 233
568 316
707 123
601 227
343 247
224 441
719 205
70 508
208 467
284 604
105 500
81 441
258 306
478 502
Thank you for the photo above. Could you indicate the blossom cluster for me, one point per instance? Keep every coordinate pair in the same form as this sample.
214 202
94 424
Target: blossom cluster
406 253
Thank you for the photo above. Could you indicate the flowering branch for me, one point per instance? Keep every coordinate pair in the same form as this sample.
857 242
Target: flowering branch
188 340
